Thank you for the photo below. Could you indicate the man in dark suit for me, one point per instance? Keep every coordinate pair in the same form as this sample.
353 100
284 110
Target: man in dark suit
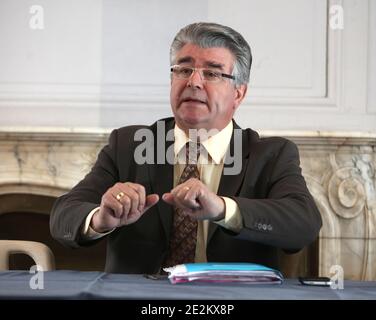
240 199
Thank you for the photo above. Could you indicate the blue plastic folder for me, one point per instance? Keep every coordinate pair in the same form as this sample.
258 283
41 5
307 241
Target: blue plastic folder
247 273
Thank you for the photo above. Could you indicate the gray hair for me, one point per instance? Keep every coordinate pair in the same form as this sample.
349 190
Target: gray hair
210 35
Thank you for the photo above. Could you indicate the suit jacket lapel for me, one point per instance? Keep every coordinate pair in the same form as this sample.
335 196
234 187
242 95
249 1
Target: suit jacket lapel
162 176
230 184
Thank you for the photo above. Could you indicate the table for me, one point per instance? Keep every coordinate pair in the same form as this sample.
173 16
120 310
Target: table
69 284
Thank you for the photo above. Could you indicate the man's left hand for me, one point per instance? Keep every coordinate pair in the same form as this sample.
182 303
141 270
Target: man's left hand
195 199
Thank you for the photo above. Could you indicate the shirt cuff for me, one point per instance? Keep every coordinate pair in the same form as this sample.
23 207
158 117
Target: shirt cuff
233 219
88 233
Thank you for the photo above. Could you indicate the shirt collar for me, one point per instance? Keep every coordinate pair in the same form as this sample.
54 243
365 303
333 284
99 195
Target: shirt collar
216 145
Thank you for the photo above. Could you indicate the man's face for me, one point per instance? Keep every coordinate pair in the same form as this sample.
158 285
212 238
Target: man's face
197 103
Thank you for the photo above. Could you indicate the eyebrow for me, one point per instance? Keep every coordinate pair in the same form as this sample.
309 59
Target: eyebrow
185 60
215 65
210 64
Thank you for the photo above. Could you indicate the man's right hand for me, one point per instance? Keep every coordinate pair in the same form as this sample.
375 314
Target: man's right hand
122 204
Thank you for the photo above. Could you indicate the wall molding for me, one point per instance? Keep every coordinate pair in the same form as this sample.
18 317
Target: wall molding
345 99
113 94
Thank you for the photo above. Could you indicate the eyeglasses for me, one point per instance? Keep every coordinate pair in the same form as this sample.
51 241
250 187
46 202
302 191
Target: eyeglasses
182 72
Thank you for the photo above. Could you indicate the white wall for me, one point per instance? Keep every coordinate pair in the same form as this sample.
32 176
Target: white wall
371 99
105 63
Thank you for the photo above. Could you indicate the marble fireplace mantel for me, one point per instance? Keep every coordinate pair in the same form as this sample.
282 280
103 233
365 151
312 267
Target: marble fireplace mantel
339 168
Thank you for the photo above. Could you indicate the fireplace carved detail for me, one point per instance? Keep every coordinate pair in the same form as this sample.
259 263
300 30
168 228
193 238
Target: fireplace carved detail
339 170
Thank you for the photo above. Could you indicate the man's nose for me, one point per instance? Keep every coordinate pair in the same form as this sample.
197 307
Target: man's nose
195 80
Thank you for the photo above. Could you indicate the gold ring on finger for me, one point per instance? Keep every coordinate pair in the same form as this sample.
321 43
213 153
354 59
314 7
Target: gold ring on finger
120 195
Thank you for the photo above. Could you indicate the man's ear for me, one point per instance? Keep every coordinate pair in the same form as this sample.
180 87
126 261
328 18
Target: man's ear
239 94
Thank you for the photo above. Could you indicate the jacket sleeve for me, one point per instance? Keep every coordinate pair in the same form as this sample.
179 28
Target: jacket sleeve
71 209
287 217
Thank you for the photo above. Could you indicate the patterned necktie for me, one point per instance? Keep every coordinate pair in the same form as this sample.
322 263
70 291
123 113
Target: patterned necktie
184 233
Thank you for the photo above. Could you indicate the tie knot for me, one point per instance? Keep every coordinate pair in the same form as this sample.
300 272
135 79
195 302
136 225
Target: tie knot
192 152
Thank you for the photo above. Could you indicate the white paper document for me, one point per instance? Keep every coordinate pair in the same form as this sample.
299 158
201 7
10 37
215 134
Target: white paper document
248 273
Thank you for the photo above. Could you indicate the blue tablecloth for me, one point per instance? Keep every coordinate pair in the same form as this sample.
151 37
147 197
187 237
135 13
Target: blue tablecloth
66 284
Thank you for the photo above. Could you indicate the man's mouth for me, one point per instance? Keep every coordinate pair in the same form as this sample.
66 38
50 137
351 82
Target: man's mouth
193 100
